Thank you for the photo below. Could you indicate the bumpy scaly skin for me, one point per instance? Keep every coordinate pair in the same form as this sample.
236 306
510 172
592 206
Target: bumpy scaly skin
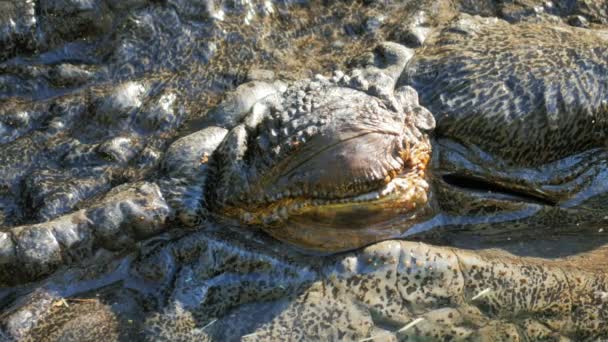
305 111
221 287
525 128
125 215
349 140
377 290
509 122
527 105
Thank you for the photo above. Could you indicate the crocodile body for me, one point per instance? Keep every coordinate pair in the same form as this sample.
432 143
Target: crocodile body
131 210
334 164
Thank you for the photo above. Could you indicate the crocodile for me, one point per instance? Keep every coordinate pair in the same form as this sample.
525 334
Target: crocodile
336 163
407 145
312 159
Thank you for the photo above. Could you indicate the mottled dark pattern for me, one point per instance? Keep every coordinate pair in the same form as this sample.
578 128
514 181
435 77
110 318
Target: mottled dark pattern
530 93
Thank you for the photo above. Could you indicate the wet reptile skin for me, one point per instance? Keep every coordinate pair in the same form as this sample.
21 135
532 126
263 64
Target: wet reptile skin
516 123
520 141
530 96
308 153
98 181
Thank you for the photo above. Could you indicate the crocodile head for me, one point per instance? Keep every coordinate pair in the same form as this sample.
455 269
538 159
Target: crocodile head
330 163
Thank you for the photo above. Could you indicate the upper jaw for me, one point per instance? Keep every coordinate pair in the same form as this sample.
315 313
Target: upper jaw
326 170
403 191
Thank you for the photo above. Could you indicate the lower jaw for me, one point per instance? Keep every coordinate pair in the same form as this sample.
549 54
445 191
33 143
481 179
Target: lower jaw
329 231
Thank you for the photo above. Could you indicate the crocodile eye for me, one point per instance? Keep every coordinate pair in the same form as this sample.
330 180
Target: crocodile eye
512 191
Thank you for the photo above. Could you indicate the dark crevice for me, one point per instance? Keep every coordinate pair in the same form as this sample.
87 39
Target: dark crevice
482 185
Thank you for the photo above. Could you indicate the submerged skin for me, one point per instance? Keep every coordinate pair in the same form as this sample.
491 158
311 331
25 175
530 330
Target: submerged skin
202 284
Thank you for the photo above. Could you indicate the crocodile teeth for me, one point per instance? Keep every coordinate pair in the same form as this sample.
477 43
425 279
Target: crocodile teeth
367 197
283 213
